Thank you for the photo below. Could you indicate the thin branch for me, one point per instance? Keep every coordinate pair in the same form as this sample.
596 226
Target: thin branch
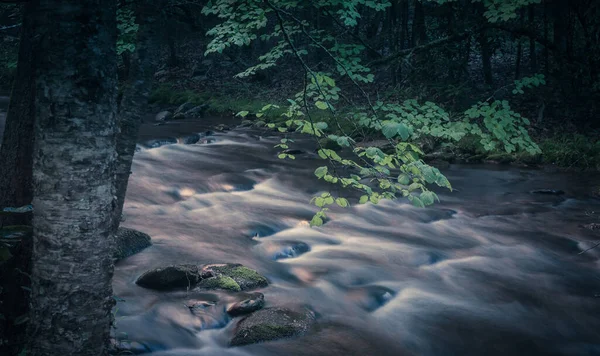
9 27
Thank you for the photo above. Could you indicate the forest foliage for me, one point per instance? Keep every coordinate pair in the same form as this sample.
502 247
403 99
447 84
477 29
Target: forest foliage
375 173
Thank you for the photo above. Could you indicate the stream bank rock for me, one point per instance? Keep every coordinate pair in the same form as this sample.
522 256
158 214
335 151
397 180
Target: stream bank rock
129 242
164 116
228 276
272 324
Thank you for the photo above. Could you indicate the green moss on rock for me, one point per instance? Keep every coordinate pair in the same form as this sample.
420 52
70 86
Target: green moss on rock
220 282
272 324
245 277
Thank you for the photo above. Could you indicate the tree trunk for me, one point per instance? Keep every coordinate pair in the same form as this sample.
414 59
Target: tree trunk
532 49
419 34
16 153
486 58
74 166
144 63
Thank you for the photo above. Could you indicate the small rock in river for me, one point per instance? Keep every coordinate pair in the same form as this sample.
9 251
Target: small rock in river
253 302
129 242
272 324
278 250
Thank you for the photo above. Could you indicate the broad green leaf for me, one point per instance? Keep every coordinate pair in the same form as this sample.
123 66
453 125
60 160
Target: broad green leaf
321 171
321 105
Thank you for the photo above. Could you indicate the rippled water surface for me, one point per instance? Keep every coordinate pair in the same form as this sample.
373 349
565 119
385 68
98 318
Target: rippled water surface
493 269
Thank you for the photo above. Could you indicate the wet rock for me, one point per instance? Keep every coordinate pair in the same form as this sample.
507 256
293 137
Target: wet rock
191 139
170 277
252 303
246 123
222 127
372 297
164 116
292 151
548 192
592 227
272 324
129 242
185 107
126 347
179 116
245 277
161 142
220 282
278 250
232 277
197 111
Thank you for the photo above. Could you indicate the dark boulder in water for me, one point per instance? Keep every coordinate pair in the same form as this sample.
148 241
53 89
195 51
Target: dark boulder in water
170 277
129 242
251 303
231 277
160 142
272 324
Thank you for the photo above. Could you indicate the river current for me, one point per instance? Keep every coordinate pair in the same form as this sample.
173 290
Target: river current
493 269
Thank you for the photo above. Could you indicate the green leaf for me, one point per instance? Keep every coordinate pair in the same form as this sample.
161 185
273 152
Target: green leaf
427 198
417 202
316 221
243 113
321 171
404 179
364 199
321 105
343 202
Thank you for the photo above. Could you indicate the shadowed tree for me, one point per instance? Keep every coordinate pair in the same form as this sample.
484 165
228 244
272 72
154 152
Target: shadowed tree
73 180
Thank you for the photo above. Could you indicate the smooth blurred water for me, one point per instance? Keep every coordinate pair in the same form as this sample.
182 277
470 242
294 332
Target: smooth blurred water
492 270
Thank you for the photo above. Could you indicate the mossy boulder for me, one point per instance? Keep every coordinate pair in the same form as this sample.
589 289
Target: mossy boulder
170 277
245 277
231 277
220 282
129 242
272 324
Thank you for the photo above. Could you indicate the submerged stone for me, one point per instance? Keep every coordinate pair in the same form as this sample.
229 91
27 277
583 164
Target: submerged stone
129 242
272 324
252 303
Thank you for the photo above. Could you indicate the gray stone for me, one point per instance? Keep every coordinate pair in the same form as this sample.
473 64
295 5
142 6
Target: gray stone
164 116
272 324
129 242
170 277
251 303
185 107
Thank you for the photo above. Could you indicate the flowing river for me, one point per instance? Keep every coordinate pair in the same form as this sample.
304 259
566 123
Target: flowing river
492 269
